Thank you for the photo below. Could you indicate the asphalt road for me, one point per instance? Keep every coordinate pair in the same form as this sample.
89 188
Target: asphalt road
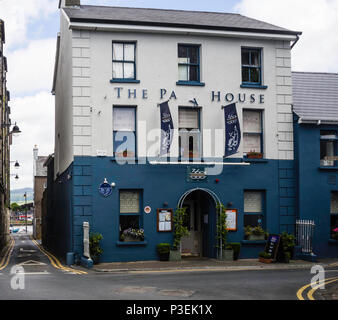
39 278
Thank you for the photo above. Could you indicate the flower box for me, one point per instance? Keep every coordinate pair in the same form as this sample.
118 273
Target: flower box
175 255
128 238
254 155
256 237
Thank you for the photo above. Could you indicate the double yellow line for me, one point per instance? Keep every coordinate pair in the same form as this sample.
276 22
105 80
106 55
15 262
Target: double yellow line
5 260
314 286
55 262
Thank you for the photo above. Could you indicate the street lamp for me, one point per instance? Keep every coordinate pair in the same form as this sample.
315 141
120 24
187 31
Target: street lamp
16 165
15 129
16 176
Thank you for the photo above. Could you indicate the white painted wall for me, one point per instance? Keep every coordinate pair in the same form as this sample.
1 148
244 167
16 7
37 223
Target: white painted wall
93 96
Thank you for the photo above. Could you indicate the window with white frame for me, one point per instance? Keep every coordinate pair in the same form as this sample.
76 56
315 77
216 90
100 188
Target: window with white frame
124 65
189 133
254 208
328 148
252 131
124 132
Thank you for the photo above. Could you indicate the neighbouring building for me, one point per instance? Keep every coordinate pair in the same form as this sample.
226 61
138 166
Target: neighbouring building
315 102
5 141
40 184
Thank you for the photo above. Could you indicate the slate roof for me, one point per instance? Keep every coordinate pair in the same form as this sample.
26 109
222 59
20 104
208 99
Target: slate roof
41 171
177 18
315 95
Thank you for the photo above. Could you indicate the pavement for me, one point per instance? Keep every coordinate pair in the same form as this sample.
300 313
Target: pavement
200 264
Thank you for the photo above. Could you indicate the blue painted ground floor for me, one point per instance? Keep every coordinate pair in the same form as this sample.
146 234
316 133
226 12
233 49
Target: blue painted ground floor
263 193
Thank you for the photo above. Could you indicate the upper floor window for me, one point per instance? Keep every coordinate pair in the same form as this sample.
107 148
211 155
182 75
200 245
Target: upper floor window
124 65
251 66
189 133
188 63
328 148
252 132
124 132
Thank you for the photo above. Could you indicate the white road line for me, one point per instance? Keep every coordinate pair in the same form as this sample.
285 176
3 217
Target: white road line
33 273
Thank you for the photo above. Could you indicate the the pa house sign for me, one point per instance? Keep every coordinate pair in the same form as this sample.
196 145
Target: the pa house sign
196 174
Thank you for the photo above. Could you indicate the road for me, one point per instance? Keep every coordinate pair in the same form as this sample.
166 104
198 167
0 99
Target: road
43 277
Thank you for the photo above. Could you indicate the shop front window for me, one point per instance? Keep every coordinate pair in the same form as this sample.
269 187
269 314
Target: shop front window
334 215
254 208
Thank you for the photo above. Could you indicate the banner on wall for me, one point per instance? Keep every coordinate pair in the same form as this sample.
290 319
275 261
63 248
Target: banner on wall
167 128
232 130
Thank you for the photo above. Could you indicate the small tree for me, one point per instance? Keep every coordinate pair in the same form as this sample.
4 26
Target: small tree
180 230
94 246
221 227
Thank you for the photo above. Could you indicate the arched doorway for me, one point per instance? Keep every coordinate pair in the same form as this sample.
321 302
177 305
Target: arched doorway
201 220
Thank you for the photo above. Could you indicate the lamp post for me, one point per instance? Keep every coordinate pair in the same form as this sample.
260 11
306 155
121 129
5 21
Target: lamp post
25 196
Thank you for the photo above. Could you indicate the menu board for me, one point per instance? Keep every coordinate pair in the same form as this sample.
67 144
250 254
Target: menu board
231 219
272 245
164 220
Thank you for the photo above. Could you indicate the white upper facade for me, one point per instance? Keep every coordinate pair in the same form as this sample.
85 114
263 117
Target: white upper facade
86 96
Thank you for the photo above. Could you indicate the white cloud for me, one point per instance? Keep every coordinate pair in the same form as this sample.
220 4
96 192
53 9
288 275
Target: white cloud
35 118
317 19
19 13
31 69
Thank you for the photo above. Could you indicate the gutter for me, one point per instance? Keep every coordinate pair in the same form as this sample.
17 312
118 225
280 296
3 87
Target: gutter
56 63
295 41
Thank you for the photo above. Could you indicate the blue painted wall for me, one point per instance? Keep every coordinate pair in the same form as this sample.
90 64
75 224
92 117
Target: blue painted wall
315 186
166 183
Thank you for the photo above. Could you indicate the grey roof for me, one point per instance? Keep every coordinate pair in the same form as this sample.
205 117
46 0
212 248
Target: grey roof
41 171
315 95
178 18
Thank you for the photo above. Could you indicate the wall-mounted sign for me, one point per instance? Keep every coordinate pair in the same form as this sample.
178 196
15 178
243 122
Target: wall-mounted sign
147 209
164 220
105 189
196 173
231 219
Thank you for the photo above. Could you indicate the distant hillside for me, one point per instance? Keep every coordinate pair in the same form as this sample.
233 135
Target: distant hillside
17 195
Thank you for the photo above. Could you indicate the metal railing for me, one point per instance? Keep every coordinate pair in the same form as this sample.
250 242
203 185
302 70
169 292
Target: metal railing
304 234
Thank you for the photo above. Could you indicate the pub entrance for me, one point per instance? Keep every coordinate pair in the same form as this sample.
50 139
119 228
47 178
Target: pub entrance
201 222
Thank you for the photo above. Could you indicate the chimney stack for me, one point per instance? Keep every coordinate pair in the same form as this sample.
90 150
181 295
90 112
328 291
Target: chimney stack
69 3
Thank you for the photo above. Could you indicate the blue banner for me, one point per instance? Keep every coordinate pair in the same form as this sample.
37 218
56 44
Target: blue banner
232 130
167 127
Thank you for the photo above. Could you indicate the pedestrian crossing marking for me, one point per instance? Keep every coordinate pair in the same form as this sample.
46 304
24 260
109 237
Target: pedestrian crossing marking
24 250
31 263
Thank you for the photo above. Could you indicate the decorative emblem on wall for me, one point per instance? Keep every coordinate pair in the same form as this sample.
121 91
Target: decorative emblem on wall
197 173
147 209
105 189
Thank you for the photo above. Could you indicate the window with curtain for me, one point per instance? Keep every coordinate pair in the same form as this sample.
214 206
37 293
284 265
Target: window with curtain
252 131
124 65
188 63
124 132
254 210
328 148
189 133
334 215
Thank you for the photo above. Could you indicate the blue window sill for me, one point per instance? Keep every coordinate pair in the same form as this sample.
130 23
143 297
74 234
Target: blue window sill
263 242
124 81
253 86
131 243
190 83
245 159
114 159
328 168
333 241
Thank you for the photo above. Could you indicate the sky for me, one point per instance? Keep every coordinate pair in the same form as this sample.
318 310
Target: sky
32 25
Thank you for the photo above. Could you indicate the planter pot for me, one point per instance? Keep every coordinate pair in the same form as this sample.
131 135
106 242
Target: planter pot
265 260
175 255
255 156
164 256
129 238
254 237
227 255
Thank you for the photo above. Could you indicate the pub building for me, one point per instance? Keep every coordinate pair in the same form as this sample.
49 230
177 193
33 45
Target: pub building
162 109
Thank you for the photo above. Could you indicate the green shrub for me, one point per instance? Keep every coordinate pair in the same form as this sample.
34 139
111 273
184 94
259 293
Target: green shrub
163 248
264 255
94 246
180 230
236 246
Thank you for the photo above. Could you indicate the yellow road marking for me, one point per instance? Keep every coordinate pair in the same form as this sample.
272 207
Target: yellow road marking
55 262
312 291
302 289
4 262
